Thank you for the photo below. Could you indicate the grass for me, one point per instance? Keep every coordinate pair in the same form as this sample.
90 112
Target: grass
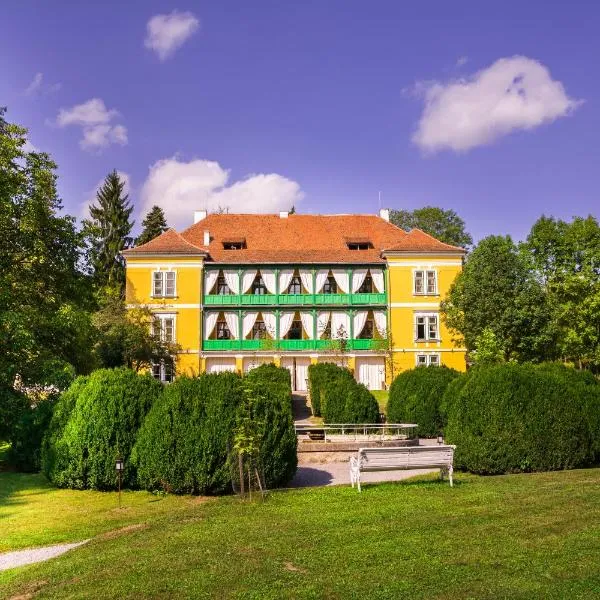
516 536
382 398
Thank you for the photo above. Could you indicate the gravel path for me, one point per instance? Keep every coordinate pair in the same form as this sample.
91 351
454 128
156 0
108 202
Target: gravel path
19 558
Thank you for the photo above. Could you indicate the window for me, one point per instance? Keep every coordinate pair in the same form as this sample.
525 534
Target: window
163 284
258 287
425 282
163 370
426 328
295 286
367 286
259 331
359 244
222 287
163 327
428 360
223 332
367 332
234 244
295 332
330 286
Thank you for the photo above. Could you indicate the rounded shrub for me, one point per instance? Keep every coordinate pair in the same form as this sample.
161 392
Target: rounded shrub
109 408
182 446
509 418
416 395
270 386
321 377
54 448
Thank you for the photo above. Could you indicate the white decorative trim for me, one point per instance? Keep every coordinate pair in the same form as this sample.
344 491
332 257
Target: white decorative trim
432 350
427 265
170 266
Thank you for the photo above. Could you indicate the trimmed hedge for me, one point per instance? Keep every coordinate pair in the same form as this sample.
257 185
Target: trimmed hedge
347 401
338 398
278 451
416 397
510 418
182 445
109 408
321 377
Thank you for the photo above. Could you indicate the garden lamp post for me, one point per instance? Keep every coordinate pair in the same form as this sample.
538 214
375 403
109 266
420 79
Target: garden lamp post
440 439
119 466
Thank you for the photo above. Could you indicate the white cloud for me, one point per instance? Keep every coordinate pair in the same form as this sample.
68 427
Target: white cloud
84 207
180 187
166 33
37 86
96 123
462 60
515 93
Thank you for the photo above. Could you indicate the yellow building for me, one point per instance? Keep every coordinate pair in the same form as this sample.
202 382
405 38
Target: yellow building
234 291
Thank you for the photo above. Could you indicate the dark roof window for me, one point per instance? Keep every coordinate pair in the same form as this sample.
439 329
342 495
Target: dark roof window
359 244
239 244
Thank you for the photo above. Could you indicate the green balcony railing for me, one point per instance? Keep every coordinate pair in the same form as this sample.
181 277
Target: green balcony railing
290 345
294 299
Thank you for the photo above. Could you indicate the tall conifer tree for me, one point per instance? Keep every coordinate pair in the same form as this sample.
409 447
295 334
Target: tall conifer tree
107 233
154 224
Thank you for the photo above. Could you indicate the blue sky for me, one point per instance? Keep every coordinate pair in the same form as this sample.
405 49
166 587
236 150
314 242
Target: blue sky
257 105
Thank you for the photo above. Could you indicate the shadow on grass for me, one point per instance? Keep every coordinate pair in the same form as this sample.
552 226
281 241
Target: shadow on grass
310 477
416 482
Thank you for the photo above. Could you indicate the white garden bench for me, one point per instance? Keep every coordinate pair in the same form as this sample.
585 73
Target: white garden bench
403 458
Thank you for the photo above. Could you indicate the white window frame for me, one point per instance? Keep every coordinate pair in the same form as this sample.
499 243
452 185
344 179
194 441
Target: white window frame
162 317
163 283
427 362
160 368
425 274
428 316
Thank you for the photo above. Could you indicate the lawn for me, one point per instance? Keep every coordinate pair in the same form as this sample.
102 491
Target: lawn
517 536
382 399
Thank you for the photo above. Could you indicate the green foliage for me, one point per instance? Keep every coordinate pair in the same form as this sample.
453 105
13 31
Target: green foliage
349 402
126 337
110 407
271 388
444 225
497 293
566 258
416 395
182 445
154 224
488 349
12 404
40 284
507 418
27 434
107 233
54 452
321 377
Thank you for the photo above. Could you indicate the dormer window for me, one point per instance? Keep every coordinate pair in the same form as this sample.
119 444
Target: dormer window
239 244
359 244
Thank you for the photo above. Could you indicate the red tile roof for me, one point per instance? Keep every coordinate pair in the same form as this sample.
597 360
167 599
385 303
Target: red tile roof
295 239
170 242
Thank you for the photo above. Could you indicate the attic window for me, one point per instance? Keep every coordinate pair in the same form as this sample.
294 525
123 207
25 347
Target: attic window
359 244
234 244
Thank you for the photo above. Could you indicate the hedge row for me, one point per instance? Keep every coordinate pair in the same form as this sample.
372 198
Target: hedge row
416 397
509 418
338 398
173 437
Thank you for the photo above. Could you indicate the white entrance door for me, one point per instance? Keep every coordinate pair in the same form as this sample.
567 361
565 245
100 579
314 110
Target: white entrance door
298 368
302 364
218 365
370 371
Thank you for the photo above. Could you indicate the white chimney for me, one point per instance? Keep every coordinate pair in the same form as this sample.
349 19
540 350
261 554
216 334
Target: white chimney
206 238
283 214
384 213
199 215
